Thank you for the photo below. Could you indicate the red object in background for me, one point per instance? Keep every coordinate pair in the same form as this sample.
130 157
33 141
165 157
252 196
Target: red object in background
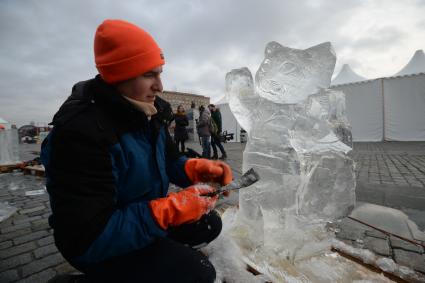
2 127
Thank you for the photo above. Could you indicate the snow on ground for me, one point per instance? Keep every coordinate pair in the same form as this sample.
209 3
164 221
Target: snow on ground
226 256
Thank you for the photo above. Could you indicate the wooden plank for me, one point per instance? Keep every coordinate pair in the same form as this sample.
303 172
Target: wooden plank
36 170
7 168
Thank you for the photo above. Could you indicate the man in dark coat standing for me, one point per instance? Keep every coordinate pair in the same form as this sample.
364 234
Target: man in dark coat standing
204 131
215 137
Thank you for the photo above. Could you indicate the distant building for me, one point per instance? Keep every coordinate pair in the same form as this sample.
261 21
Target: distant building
176 98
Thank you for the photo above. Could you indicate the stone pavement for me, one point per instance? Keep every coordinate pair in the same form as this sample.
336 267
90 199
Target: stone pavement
390 163
392 174
27 250
28 254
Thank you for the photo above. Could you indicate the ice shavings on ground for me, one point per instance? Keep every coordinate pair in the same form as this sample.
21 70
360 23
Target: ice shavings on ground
226 256
333 268
35 192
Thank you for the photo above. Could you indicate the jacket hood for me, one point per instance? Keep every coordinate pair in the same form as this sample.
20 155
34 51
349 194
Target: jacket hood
74 104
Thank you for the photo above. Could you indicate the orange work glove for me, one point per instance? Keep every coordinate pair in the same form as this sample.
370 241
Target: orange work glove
204 170
182 207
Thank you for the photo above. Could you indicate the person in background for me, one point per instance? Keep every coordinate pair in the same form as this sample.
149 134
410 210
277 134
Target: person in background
109 160
204 132
215 134
180 131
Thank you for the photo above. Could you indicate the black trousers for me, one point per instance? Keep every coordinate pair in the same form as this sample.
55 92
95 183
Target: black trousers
172 259
180 143
215 142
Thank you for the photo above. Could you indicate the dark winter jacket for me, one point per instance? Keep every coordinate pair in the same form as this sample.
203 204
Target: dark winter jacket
180 131
216 116
204 123
104 162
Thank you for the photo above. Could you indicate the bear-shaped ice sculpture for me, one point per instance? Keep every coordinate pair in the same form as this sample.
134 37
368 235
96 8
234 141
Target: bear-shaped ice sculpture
298 140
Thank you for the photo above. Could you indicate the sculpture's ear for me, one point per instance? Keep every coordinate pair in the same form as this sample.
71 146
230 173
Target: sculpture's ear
273 47
237 80
324 54
241 96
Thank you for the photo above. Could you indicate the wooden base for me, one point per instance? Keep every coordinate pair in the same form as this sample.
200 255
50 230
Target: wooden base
8 168
35 170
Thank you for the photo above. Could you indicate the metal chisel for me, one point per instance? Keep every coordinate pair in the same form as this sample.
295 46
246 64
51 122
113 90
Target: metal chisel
247 179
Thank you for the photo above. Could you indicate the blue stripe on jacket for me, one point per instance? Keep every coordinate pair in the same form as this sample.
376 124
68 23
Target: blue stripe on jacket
141 174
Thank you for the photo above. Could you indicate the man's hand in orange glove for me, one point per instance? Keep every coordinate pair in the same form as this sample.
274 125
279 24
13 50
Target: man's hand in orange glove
182 207
204 170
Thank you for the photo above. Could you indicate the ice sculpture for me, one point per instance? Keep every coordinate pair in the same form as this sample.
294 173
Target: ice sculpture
298 141
9 146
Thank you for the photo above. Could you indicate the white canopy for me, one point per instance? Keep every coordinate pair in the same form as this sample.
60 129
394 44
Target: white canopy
229 122
347 75
364 109
221 100
3 121
404 104
416 65
387 108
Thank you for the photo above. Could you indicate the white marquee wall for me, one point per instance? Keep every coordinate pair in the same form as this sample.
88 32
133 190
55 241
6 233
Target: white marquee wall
405 108
391 109
364 109
229 122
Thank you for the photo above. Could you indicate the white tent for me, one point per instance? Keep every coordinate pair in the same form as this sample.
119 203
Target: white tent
363 102
390 108
229 122
4 123
404 106
347 75
387 108
416 65
221 100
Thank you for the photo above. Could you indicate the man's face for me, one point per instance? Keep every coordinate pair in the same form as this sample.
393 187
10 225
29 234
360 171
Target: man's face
211 108
144 87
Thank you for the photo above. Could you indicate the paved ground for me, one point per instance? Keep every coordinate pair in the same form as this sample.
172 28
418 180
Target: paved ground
387 173
391 163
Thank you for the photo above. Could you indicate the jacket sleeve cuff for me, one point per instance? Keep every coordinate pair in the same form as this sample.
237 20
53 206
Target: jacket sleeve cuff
177 173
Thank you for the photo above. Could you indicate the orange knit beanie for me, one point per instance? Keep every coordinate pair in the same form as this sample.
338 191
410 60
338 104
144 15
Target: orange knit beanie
123 51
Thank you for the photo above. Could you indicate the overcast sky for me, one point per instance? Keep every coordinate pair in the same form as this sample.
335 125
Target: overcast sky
47 45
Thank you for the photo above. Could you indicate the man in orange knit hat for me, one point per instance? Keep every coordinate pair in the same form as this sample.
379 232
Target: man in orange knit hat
109 161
